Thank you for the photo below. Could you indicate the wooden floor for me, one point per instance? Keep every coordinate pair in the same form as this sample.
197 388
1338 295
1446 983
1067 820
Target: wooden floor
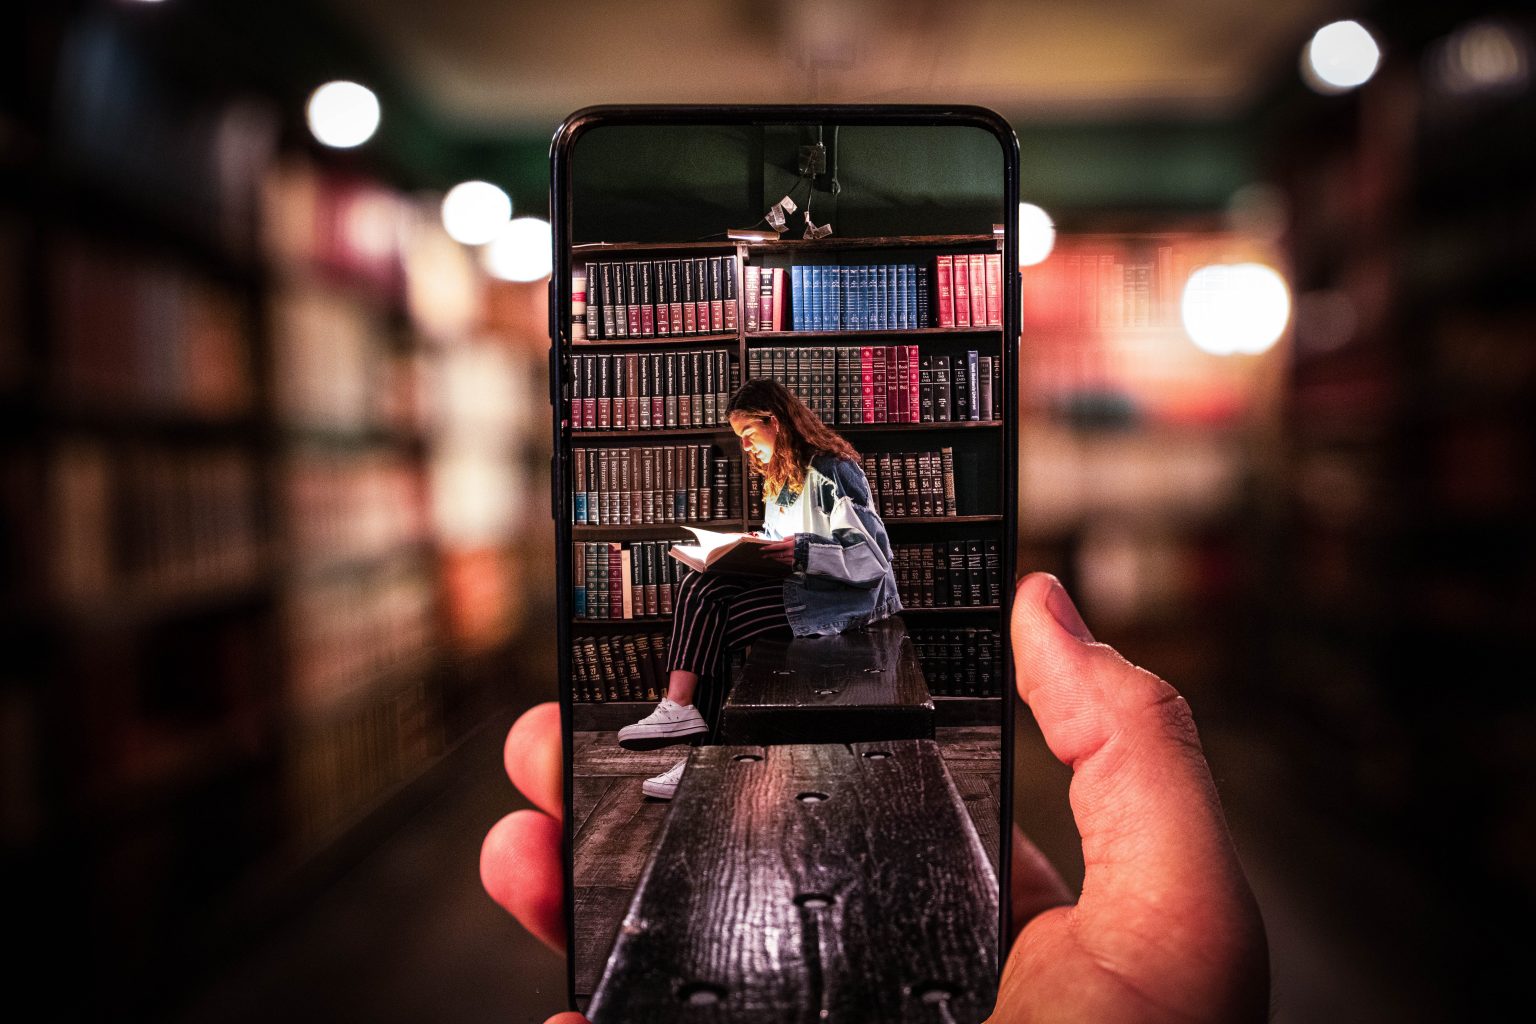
615 826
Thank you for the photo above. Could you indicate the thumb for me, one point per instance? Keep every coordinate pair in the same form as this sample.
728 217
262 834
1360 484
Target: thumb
1162 884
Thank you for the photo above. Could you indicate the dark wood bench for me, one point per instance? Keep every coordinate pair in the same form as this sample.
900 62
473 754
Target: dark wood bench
840 882
862 685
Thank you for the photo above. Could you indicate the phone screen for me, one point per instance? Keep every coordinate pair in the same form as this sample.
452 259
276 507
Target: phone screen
787 774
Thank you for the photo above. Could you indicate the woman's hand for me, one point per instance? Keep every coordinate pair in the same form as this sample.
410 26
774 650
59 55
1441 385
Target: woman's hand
781 551
1166 927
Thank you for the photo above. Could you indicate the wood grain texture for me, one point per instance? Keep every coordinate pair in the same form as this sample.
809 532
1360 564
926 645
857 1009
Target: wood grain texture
720 930
850 687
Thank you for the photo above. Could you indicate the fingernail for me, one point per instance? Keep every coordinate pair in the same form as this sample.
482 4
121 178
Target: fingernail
1065 613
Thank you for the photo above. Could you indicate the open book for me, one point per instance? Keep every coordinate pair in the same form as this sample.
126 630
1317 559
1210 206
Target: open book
728 552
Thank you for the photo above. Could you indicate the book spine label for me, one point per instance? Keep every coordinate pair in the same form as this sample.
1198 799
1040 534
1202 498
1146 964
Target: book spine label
914 385
751 289
947 460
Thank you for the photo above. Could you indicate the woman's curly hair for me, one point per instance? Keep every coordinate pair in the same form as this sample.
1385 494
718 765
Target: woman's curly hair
802 435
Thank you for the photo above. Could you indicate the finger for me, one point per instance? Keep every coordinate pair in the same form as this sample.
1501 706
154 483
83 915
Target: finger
520 869
1034 883
567 1018
533 757
1161 877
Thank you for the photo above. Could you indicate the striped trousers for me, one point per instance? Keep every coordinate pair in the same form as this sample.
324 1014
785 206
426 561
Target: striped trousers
718 612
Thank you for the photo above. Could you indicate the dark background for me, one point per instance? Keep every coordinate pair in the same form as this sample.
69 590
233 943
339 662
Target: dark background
1326 548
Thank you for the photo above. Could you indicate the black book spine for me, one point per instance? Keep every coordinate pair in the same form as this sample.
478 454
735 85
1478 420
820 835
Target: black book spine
609 299
604 400
728 284
663 297
633 297
993 567
975 573
959 577
643 406
671 393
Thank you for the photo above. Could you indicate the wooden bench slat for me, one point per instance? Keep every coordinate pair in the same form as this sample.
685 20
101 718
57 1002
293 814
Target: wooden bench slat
721 913
850 687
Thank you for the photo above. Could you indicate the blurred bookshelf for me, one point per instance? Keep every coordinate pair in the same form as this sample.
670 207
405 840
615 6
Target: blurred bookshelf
264 427
1405 487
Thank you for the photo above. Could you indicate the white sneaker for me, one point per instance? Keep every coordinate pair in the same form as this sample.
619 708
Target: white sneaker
670 723
664 785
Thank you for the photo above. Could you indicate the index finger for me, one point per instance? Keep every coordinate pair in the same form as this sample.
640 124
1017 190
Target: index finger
532 756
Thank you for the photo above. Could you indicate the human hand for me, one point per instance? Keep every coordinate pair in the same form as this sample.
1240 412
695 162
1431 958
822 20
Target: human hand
781 551
1166 927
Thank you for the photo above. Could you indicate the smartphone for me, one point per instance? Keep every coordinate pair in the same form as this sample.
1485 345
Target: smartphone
822 828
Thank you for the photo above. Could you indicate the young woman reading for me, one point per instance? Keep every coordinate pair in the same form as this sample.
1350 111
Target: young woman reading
826 532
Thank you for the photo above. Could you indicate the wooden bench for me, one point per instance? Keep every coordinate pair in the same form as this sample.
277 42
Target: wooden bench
839 882
862 685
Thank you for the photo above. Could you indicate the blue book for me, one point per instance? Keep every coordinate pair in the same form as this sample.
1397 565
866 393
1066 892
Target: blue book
799 307
910 271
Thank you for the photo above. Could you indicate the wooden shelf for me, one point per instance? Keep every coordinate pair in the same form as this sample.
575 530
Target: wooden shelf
926 333
952 609
920 520
870 428
650 341
648 432
603 248
652 531
622 625
806 245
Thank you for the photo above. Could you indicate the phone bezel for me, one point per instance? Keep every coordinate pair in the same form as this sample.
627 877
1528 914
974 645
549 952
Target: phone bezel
914 115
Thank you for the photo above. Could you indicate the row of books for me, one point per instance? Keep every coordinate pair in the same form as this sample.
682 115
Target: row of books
613 580
885 383
340 766
900 483
913 483
630 666
345 506
646 390
349 632
960 662
653 298
956 290
1105 289
948 574
152 522
881 297
634 486
139 335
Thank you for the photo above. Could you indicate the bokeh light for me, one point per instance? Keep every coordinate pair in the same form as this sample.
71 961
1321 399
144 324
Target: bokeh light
474 212
1340 57
1489 56
342 114
1235 308
1037 235
521 252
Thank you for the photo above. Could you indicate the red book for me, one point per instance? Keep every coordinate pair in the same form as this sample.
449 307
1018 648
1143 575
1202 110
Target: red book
914 385
978 281
994 289
867 383
961 292
899 412
892 386
777 310
944 274
765 300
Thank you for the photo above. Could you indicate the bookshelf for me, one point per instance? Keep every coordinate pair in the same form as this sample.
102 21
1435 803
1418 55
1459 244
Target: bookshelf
845 369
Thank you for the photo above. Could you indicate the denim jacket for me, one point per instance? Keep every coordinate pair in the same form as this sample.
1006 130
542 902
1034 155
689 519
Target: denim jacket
838 582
